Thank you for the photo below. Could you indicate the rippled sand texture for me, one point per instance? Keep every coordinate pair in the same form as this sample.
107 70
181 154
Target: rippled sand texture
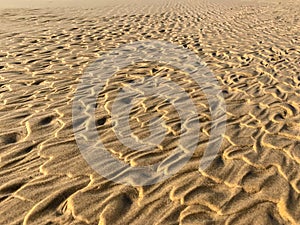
251 47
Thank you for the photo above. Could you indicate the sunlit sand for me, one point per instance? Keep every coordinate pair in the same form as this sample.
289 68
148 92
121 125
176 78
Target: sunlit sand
251 47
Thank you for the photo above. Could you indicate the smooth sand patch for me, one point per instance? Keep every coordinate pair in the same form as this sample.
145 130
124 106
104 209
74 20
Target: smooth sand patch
56 3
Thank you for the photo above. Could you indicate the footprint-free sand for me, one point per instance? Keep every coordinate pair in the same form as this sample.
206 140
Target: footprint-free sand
251 47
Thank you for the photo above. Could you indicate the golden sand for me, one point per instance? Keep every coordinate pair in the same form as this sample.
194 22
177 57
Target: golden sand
253 49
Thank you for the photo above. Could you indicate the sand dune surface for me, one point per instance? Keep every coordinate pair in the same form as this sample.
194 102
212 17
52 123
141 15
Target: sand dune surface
251 47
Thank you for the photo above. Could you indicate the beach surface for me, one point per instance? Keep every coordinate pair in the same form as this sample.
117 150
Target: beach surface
252 48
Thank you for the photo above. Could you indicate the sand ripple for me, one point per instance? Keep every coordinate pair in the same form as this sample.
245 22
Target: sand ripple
253 49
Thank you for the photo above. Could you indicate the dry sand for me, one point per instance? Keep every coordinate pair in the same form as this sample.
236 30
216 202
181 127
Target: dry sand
252 47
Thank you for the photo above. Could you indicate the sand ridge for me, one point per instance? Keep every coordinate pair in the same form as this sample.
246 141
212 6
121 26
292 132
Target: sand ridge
251 47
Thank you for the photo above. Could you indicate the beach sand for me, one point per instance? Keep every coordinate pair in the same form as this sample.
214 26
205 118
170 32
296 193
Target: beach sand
251 47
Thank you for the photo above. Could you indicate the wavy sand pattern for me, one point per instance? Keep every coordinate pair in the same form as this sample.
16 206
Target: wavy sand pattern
251 46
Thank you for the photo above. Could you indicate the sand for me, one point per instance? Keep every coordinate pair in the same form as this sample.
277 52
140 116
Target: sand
253 49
